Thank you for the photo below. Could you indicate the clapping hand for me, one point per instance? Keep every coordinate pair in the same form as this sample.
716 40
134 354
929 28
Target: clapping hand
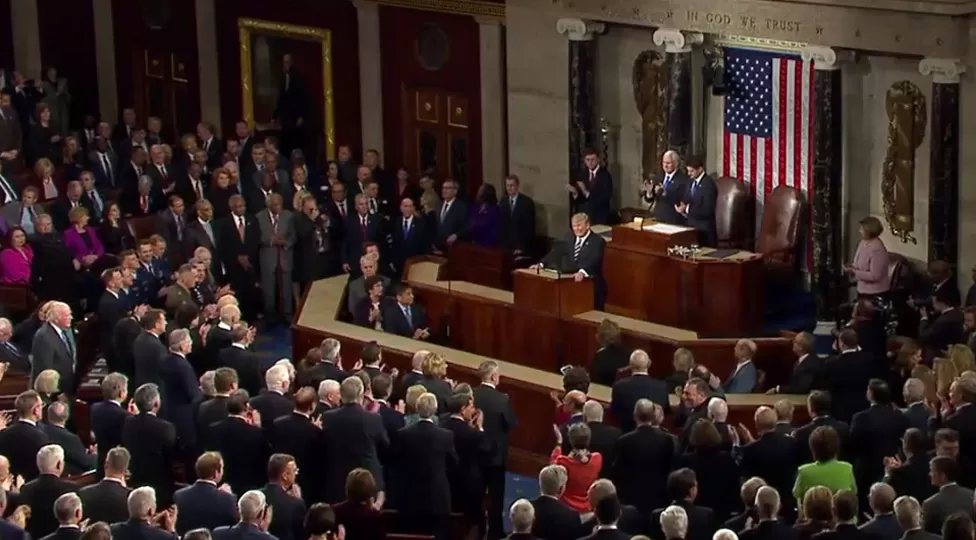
892 463
20 516
5 419
681 208
558 434
400 407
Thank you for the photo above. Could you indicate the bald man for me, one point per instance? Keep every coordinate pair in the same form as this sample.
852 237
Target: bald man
770 456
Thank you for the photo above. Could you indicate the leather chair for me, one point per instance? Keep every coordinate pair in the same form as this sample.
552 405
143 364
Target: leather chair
731 213
628 214
779 233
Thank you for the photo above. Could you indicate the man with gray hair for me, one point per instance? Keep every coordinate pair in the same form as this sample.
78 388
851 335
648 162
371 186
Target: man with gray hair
152 443
631 520
105 501
674 523
915 412
255 514
553 519
144 523
353 438
522 516
426 453
909 515
603 437
883 524
77 459
639 385
108 415
10 353
416 374
643 459
54 347
725 534
273 403
328 397
767 507
41 492
67 510
242 359
328 368
182 396
666 189
498 420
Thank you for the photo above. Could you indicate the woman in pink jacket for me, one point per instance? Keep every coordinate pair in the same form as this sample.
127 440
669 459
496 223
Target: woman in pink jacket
870 265
16 258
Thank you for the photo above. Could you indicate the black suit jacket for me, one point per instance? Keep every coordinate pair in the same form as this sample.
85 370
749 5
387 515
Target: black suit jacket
454 222
231 245
202 505
245 450
603 439
354 237
181 395
40 495
140 530
773 530
702 521
627 392
123 338
111 310
77 460
288 521
352 438
917 416
248 367
152 443
467 480
608 534
149 353
884 527
608 362
701 208
590 257
642 461
314 375
938 333
106 419
673 192
555 521
19 443
272 406
771 458
846 377
912 478
499 420
64 533
597 204
105 501
297 436
804 376
425 453
875 434
408 243
395 322
517 224
963 420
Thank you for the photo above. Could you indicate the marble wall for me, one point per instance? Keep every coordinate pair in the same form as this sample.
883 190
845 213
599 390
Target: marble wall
538 105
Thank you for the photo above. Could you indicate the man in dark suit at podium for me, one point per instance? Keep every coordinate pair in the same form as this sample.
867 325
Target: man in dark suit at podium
580 254
698 203
665 190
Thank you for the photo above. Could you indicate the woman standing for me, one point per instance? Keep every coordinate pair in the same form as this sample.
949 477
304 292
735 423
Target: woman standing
45 140
870 265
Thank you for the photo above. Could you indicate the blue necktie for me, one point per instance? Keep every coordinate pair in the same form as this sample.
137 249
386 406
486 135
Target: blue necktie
694 187
406 313
667 181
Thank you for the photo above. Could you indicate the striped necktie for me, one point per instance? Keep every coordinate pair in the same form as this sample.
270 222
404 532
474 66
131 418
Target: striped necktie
577 249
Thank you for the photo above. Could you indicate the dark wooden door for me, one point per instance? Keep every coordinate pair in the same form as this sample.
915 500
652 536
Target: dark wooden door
435 134
162 88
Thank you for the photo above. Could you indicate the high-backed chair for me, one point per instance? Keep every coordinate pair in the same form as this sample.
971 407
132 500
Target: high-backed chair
779 233
731 213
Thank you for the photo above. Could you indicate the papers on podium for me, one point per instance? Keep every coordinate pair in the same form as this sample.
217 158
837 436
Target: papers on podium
664 228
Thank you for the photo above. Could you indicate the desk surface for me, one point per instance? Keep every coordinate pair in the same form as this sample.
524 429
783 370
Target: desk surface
324 301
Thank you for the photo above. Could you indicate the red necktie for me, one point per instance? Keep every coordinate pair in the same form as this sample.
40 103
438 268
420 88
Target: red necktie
144 204
342 210
274 178
592 175
198 188
364 226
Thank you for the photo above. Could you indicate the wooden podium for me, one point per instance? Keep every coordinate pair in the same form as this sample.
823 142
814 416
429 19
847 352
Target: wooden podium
552 293
647 236
716 297
491 267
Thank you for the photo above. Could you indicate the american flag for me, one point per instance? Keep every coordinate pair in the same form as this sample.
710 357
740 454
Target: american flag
768 135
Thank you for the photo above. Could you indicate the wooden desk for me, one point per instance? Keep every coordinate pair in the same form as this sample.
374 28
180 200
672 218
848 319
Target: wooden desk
529 388
487 266
486 321
715 297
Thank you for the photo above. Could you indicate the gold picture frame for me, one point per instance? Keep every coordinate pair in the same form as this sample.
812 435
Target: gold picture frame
247 28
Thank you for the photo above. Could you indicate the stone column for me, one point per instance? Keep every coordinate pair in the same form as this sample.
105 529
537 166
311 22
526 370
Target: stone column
943 226
207 60
582 85
370 77
828 157
491 35
677 46
108 91
26 38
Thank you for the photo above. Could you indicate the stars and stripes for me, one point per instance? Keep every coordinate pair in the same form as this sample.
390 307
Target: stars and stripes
769 124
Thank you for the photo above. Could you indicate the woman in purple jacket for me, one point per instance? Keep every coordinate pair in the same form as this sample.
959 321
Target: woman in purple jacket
81 239
483 222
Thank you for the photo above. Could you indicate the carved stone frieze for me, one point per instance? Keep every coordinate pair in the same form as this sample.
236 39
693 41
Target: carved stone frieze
922 33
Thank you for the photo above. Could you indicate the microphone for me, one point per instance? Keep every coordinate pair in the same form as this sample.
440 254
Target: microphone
448 312
560 353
